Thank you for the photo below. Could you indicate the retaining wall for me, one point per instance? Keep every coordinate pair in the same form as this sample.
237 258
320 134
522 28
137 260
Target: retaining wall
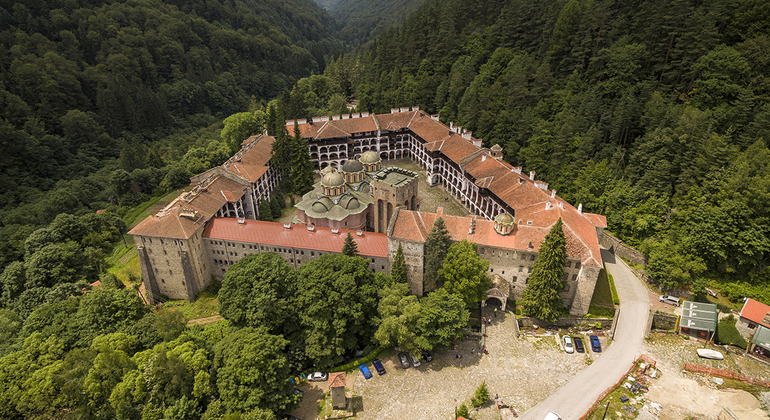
620 249
564 322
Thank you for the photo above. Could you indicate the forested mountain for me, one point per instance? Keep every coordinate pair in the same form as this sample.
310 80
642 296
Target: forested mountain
654 113
365 19
90 86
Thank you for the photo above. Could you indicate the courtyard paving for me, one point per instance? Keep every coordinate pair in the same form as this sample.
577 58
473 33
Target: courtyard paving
522 371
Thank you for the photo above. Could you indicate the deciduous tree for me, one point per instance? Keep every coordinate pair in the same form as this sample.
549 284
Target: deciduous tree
465 273
443 319
399 312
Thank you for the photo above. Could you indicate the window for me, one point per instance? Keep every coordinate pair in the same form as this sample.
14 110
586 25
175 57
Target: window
574 277
164 252
162 281
569 264
577 264
170 273
492 270
168 263
529 270
521 268
149 250
532 257
503 272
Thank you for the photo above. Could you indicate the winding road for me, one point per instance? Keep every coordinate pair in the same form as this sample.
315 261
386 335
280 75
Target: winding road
576 397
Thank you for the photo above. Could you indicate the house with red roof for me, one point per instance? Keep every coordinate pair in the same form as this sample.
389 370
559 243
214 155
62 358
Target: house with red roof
753 314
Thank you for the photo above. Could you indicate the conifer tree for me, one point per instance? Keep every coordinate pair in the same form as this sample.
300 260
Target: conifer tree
398 269
350 248
302 167
541 298
275 207
265 212
436 247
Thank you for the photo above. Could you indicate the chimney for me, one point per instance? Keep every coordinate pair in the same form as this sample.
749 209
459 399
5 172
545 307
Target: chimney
542 185
287 225
359 233
548 205
451 125
311 227
484 158
561 206
467 135
335 231
517 169
553 193
532 175
580 208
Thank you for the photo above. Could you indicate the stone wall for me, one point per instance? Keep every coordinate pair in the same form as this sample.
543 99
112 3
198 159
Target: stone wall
663 321
565 323
620 249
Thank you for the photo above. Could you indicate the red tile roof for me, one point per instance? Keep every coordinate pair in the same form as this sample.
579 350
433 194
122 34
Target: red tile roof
297 236
415 226
185 215
337 379
756 312
597 219
251 161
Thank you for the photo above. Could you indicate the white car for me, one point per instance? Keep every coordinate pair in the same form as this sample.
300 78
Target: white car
552 416
317 377
415 361
671 300
568 347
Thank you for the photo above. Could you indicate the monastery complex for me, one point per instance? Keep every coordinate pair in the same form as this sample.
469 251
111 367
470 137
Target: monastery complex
202 232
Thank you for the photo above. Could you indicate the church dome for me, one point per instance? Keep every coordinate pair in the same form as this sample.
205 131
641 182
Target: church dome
504 219
323 205
327 169
370 157
350 203
352 166
332 179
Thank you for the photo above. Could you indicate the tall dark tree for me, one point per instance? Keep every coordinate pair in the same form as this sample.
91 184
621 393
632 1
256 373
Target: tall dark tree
350 248
265 211
302 167
398 270
436 247
540 298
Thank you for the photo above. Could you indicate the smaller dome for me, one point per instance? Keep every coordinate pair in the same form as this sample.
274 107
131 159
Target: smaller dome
332 179
352 166
370 157
322 206
505 219
327 169
350 203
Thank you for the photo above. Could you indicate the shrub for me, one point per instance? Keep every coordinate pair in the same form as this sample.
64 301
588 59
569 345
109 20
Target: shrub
463 411
728 334
482 395
364 360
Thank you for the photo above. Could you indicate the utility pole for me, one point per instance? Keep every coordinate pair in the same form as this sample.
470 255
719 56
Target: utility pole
605 410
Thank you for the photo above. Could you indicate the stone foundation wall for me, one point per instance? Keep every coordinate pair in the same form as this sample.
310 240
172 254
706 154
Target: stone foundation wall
663 322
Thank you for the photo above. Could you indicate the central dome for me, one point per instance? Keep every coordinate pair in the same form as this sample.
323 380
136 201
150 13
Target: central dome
352 166
504 219
370 157
332 179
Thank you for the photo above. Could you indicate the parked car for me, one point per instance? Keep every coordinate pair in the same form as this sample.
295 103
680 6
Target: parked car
317 377
299 392
568 347
404 360
365 371
415 361
426 356
378 366
671 300
552 416
595 344
579 344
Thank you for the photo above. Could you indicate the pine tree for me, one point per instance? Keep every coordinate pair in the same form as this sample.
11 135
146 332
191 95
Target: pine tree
436 247
350 248
275 207
541 297
302 167
282 159
398 270
265 212
463 411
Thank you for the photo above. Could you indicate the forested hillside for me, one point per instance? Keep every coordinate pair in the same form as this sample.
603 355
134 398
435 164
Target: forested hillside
90 87
656 114
364 19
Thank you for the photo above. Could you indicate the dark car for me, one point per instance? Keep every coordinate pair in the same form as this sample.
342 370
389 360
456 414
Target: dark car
579 344
378 366
426 356
404 360
595 344
299 392
365 371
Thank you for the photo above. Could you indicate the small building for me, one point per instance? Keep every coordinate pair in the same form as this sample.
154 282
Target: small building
753 314
337 383
699 319
760 342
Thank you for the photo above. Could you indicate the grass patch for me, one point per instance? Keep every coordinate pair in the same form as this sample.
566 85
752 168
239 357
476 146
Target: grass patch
205 305
615 405
595 311
546 343
604 292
